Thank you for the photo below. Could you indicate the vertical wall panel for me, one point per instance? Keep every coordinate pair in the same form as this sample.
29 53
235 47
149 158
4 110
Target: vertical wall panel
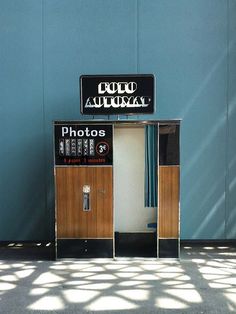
231 188
22 181
184 43
82 37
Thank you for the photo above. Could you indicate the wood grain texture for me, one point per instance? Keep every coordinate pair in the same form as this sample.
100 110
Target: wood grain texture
168 212
71 220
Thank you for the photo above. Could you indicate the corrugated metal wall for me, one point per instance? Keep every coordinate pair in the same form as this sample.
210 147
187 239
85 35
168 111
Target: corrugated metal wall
191 48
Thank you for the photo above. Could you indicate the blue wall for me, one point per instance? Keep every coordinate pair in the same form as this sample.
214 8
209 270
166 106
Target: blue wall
191 48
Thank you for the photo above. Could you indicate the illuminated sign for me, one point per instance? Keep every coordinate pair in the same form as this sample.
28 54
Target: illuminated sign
123 94
77 144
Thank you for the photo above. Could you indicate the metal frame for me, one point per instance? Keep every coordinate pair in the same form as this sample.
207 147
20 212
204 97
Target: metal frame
179 165
123 123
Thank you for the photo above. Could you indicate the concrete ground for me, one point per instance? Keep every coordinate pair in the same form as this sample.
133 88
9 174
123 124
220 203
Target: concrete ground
203 281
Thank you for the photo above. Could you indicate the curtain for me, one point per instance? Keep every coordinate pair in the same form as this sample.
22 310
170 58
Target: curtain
151 166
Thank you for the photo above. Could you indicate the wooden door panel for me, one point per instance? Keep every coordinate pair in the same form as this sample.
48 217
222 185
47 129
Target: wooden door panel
104 202
71 220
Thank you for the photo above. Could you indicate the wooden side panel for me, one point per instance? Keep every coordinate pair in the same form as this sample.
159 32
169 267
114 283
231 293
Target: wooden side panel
71 220
168 213
104 184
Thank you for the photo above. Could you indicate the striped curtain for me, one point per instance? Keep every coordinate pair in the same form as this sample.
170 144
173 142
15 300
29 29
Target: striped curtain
151 166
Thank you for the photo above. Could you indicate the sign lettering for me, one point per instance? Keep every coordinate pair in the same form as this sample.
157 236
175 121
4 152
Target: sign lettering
77 144
128 94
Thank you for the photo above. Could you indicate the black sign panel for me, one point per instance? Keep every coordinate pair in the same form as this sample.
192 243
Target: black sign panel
77 144
124 94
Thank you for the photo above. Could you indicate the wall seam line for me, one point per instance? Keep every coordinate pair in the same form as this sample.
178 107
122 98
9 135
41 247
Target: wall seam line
137 40
227 129
137 36
44 129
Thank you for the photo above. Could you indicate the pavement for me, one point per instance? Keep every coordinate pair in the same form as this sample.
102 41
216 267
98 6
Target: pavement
202 281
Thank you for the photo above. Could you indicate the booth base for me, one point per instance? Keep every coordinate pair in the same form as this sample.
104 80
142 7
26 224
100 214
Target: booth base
136 244
84 248
168 248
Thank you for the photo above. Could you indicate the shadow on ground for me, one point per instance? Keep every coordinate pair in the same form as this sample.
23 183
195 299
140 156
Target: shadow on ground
203 281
